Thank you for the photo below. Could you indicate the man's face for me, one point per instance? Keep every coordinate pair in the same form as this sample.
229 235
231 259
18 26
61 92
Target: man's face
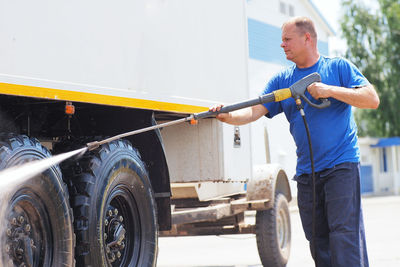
293 43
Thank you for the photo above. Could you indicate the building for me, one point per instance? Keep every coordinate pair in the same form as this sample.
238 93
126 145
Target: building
380 165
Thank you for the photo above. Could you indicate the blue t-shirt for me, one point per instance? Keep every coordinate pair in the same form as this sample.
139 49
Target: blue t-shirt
333 130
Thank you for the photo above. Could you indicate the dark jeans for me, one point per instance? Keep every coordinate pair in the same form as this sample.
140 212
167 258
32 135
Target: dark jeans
340 238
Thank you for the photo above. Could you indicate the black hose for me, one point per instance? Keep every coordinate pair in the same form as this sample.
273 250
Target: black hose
313 244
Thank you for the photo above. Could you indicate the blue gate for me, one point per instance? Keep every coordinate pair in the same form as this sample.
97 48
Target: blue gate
367 182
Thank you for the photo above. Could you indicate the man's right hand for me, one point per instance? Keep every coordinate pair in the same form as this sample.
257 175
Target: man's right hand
242 116
221 116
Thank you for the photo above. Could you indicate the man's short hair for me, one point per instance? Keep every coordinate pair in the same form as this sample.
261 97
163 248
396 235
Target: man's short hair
304 25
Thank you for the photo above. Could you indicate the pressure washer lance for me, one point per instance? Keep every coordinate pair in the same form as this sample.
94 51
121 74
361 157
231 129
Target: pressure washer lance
296 91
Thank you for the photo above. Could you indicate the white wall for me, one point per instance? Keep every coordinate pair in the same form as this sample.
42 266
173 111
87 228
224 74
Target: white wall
268 11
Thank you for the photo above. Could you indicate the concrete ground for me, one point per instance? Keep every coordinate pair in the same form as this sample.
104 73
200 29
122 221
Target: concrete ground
382 225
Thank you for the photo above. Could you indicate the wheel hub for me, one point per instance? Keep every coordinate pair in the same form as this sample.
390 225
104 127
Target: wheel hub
114 235
282 229
20 245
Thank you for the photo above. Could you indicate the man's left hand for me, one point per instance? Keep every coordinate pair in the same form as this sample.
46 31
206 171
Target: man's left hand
319 90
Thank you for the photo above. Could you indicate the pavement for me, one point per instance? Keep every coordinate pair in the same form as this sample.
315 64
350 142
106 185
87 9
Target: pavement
382 226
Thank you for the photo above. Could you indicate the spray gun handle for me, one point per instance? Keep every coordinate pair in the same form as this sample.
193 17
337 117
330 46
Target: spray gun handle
324 102
299 88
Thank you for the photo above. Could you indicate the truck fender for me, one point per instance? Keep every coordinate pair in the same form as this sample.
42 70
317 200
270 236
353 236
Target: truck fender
267 180
151 147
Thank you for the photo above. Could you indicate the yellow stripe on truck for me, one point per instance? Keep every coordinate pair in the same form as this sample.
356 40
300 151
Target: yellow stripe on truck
58 94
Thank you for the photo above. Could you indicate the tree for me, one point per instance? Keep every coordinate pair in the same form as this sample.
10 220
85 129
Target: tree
373 40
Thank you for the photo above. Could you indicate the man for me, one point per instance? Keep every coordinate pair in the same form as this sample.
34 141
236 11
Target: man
340 239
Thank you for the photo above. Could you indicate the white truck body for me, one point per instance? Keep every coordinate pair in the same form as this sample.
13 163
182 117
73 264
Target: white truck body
170 52
175 56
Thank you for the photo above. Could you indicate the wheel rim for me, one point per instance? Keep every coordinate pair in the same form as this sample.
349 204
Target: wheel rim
122 231
282 228
28 238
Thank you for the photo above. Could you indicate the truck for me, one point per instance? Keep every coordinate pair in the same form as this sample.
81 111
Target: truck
73 72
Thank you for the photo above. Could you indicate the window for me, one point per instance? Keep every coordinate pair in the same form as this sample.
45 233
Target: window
291 10
282 7
383 161
286 9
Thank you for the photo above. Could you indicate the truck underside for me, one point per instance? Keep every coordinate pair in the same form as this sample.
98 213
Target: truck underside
130 175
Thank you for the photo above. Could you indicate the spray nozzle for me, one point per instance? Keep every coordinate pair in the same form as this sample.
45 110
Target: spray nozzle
93 145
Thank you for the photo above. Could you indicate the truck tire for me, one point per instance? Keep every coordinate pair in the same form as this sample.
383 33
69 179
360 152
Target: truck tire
39 223
273 233
115 209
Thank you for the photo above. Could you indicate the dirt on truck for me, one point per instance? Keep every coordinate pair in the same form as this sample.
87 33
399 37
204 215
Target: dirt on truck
77 72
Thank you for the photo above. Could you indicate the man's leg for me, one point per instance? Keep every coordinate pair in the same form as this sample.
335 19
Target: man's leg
305 204
343 206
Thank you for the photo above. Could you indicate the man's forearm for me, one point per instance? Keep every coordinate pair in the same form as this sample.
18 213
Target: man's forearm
362 97
243 116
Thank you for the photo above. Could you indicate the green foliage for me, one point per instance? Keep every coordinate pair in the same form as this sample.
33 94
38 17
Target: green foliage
373 40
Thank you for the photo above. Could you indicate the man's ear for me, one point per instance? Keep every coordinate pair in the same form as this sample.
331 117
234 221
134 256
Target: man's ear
308 36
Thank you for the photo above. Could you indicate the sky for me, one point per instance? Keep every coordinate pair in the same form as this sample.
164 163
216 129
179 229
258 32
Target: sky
331 11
